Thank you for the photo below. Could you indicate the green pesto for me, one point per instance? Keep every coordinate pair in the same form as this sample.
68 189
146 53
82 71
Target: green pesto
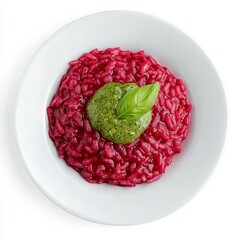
101 111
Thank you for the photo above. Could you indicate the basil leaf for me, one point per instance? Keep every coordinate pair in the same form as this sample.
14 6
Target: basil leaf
137 102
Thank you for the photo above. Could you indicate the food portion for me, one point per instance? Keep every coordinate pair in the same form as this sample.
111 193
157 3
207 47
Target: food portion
119 117
121 112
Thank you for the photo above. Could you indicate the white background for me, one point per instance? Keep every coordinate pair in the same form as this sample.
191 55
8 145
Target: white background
26 214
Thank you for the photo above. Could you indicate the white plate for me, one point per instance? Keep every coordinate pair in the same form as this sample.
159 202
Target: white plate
105 203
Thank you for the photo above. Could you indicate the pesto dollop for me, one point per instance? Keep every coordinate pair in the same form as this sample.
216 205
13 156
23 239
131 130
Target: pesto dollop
101 110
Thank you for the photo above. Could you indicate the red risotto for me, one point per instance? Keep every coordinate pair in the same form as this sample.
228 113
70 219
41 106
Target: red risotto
85 150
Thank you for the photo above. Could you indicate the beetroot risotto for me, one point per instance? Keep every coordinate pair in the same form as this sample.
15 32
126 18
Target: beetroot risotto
86 150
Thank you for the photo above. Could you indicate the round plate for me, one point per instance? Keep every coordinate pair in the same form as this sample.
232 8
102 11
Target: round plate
112 204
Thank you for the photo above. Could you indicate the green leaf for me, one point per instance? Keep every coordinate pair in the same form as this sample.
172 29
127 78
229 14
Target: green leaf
137 102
